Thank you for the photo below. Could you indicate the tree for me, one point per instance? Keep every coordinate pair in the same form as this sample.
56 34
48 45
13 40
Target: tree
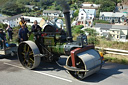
91 32
11 8
77 29
100 21
76 13
107 6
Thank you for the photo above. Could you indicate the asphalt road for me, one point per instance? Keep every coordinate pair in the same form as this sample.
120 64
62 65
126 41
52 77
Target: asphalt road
12 73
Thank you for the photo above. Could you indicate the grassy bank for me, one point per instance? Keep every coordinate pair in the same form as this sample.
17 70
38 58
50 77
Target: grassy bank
116 58
112 44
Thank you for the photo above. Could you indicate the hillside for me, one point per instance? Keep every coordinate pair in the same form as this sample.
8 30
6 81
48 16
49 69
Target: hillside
3 2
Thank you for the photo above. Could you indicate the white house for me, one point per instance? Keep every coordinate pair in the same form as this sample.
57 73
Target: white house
12 21
30 20
86 17
115 17
90 6
117 32
52 13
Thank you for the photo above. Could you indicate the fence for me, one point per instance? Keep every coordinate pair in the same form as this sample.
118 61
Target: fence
114 51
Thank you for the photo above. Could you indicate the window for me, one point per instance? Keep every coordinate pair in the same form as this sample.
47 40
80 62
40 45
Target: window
82 17
112 30
82 14
117 36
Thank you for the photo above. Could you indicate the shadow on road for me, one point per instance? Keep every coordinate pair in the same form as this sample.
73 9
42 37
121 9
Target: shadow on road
107 70
46 66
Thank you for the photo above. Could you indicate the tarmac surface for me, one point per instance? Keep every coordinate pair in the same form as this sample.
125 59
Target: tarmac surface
12 73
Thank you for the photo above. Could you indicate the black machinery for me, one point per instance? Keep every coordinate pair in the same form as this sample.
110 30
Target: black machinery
48 45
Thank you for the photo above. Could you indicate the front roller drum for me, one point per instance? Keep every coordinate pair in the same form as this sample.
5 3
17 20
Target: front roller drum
89 62
27 52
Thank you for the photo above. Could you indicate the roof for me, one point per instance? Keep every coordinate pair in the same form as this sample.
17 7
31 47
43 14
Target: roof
122 27
103 26
112 14
29 6
13 17
51 11
32 19
89 11
111 26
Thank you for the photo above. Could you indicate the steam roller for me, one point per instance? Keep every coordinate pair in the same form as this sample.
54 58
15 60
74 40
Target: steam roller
51 43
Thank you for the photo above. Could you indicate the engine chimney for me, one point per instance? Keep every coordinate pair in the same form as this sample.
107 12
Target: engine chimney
68 25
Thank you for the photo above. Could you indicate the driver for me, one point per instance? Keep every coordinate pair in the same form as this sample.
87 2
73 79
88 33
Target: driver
36 27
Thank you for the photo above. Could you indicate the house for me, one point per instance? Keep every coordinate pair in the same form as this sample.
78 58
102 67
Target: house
113 17
117 32
30 6
51 13
12 21
30 20
86 16
90 5
71 14
2 18
102 29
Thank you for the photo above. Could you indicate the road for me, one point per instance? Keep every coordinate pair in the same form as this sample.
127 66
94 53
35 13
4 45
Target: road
12 73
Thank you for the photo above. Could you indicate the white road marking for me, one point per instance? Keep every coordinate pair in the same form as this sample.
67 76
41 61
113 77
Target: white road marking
41 73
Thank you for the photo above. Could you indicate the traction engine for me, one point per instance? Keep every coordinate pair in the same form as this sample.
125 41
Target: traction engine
49 45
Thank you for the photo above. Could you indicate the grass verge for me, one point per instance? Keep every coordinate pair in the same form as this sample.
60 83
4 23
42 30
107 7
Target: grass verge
116 58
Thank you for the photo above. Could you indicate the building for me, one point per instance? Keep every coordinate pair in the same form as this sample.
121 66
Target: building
12 21
51 13
90 5
112 17
30 20
2 18
86 16
31 7
117 32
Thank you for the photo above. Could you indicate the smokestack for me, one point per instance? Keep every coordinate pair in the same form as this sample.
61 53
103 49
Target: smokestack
66 11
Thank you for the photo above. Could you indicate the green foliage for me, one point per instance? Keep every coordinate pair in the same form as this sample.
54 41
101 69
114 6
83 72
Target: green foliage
93 40
100 21
77 29
107 6
3 26
76 13
11 8
91 32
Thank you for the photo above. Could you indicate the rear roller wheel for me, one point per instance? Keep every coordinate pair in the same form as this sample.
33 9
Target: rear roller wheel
26 54
79 64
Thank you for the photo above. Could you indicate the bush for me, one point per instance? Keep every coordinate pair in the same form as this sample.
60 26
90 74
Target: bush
91 32
93 40
77 29
101 21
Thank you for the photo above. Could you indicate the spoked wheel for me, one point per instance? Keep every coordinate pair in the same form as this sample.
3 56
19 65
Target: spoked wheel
79 64
26 54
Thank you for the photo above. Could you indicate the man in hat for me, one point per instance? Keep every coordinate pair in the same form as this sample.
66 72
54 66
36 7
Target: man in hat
23 33
22 22
2 38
